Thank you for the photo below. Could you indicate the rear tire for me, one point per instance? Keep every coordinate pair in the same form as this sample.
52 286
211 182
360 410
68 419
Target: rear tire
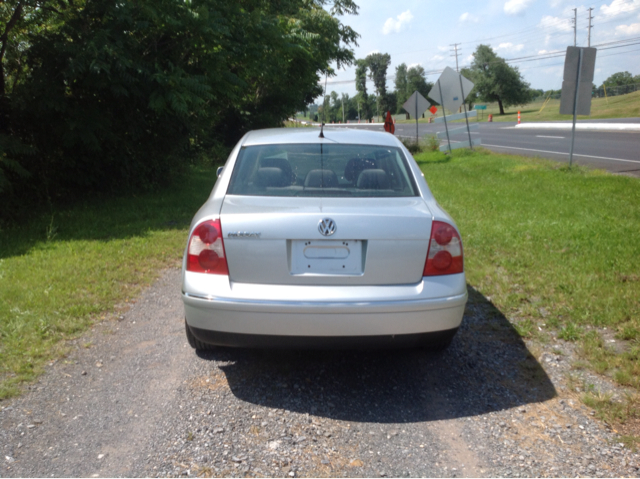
194 342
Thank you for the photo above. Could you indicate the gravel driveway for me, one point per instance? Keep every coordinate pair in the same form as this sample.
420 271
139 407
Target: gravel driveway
133 399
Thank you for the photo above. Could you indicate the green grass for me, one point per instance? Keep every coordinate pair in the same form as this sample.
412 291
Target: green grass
555 248
623 413
60 273
622 106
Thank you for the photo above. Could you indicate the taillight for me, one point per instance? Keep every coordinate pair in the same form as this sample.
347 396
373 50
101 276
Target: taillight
445 251
206 249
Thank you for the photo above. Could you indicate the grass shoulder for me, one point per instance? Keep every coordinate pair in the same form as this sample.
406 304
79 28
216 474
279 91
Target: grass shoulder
553 247
63 271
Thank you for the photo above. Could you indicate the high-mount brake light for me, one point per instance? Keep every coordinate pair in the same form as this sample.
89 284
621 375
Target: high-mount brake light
445 251
206 249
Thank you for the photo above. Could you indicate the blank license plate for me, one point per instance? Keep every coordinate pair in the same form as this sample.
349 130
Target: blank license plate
328 257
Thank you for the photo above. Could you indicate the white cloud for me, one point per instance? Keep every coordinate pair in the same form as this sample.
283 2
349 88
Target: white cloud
466 17
559 24
443 49
619 6
413 65
542 52
372 52
510 47
437 58
632 29
517 7
394 26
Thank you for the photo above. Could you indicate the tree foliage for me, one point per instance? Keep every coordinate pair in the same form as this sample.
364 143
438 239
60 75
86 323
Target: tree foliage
378 64
409 81
98 95
334 105
620 79
417 81
361 87
495 80
402 92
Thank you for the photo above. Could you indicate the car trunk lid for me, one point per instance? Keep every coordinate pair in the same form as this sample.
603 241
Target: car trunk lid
277 240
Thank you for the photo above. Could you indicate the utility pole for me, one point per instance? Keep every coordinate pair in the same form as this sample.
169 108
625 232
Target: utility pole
342 109
589 36
455 54
574 20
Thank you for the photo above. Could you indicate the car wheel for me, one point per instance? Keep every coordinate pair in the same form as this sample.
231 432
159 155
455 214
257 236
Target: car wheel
194 342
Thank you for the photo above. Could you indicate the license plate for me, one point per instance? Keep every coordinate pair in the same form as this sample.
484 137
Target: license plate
326 257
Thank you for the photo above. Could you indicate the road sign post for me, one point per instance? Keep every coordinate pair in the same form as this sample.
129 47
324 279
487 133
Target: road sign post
446 128
466 118
416 105
579 65
481 108
450 92
417 119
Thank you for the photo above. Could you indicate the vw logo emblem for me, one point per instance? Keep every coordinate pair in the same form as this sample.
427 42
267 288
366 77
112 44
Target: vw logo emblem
327 227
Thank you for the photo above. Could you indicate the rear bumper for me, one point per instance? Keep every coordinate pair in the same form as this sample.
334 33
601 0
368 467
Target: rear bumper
352 315
238 340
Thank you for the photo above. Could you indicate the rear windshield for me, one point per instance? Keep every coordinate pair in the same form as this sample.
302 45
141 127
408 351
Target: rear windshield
332 170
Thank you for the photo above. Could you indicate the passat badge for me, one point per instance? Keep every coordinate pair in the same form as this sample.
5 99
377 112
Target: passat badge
243 234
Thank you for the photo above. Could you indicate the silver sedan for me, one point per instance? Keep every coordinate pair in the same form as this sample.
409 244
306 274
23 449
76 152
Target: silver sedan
332 241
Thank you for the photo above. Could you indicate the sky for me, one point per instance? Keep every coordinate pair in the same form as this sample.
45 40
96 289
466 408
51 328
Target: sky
423 32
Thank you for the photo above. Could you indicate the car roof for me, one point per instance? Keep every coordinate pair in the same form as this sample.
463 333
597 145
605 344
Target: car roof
345 135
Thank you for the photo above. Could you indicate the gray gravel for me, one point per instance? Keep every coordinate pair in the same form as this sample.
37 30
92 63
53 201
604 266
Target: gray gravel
139 402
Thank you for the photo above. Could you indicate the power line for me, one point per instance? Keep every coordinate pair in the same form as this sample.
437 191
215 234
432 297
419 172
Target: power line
537 30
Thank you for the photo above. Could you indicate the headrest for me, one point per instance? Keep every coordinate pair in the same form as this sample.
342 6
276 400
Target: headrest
271 177
356 165
321 178
278 162
373 180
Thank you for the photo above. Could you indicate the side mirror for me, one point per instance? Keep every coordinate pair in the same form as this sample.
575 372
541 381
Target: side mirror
219 172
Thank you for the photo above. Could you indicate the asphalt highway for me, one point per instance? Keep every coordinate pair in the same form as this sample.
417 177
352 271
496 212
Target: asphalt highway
617 152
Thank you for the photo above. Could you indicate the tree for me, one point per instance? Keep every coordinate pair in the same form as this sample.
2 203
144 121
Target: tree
101 95
495 80
361 87
378 64
620 79
417 81
401 86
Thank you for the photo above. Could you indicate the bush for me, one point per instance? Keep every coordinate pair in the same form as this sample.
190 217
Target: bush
433 143
412 146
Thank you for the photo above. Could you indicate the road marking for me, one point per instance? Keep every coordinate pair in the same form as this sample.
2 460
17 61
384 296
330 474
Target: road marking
561 153
542 136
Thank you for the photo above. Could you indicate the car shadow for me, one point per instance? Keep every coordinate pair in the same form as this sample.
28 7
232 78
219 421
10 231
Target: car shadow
487 368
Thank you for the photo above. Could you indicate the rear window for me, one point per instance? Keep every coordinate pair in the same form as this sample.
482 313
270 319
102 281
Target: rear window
332 170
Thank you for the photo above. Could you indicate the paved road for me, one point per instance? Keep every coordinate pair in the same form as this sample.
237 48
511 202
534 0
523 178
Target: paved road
617 152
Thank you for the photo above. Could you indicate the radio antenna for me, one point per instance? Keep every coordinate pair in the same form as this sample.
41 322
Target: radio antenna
324 101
